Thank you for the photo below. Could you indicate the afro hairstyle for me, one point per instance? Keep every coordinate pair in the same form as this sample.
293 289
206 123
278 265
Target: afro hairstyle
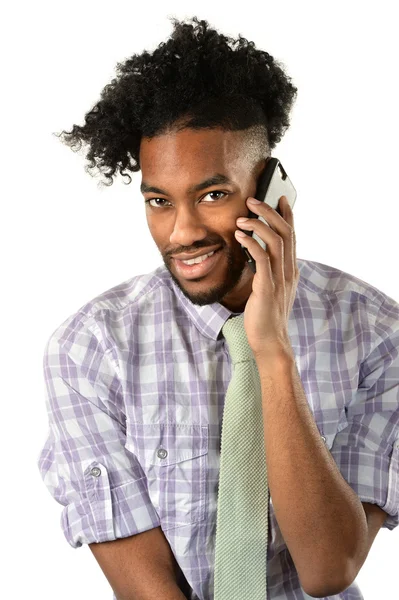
197 79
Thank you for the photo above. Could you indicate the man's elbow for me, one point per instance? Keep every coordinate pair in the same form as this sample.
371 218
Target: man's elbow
323 591
328 585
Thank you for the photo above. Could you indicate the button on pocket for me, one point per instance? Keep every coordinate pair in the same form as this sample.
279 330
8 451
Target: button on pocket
331 430
174 458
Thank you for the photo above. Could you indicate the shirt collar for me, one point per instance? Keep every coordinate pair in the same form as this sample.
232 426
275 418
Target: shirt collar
208 319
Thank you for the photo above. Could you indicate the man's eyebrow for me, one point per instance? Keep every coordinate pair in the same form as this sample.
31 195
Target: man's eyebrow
216 179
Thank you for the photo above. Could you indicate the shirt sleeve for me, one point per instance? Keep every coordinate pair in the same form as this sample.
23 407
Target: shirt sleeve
84 462
367 450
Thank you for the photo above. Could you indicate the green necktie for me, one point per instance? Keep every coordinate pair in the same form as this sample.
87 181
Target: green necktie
243 499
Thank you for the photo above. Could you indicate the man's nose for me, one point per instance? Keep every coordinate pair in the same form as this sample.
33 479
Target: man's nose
187 229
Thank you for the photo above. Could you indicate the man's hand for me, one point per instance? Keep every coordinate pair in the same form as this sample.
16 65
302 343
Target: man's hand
275 281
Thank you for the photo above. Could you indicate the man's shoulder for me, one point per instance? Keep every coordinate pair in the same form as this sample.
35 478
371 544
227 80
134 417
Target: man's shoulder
318 279
111 304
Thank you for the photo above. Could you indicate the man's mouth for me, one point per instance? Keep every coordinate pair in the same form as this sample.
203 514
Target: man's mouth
201 267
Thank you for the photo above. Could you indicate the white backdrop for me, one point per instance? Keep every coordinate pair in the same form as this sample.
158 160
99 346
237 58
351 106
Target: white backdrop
64 240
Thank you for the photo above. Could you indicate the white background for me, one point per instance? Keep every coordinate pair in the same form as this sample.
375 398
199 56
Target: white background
64 240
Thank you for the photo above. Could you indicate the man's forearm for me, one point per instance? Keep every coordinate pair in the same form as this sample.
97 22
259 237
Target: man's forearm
165 590
141 567
321 518
160 585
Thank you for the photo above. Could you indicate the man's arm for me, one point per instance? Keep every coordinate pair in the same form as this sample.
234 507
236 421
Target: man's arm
140 567
321 518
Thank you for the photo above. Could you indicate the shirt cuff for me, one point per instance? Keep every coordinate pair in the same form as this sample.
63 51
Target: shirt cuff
370 465
103 514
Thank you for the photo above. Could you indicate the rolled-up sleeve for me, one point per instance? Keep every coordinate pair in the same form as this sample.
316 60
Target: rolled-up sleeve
367 449
84 462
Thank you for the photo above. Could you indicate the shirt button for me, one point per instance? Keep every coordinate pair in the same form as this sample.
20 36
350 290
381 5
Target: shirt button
162 453
323 438
96 472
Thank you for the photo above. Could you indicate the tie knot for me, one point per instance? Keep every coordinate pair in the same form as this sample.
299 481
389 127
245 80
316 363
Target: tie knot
236 339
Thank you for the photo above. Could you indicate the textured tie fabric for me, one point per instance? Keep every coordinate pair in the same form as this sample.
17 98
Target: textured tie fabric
243 498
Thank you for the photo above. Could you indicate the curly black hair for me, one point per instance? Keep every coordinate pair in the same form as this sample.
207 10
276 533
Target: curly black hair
198 78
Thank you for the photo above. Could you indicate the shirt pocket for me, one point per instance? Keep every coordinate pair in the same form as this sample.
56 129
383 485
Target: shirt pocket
327 394
329 428
174 458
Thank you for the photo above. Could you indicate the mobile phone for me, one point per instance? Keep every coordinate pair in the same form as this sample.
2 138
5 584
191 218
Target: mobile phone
272 184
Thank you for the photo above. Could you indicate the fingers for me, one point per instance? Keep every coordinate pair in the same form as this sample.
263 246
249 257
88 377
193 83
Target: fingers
279 238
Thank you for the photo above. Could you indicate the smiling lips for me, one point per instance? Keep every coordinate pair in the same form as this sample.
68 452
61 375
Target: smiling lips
195 255
200 269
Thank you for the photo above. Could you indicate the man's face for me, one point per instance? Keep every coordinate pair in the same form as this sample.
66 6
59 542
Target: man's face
184 221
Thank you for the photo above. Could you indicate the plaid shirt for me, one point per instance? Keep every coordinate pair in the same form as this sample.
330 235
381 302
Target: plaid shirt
136 381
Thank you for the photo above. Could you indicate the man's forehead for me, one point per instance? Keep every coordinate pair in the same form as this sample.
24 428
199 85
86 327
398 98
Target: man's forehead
192 144
194 156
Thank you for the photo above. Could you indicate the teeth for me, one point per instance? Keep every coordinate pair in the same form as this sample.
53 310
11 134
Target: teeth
199 259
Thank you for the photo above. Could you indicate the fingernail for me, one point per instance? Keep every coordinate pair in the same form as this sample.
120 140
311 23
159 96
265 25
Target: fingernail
254 201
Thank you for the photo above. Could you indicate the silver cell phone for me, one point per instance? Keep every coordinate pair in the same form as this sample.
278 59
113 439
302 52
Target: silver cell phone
272 184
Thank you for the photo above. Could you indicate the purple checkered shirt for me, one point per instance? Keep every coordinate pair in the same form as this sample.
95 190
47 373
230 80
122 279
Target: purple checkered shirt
136 381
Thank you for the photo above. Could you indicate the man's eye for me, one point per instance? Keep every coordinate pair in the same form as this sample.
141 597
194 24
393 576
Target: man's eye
163 199
151 199
217 192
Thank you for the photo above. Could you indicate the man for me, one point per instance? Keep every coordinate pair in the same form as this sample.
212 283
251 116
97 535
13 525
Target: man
137 377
